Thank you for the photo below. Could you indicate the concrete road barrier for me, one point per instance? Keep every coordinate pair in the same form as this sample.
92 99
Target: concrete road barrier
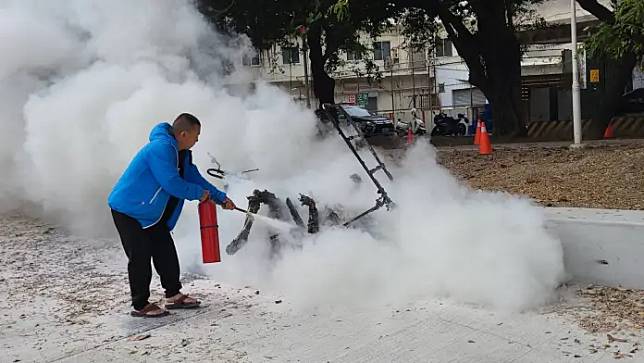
600 245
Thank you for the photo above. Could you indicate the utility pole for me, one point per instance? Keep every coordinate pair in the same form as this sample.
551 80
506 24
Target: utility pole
471 102
357 84
413 78
438 100
290 75
429 85
576 103
305 49
393 107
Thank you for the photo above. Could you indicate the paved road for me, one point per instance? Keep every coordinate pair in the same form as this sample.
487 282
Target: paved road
65 300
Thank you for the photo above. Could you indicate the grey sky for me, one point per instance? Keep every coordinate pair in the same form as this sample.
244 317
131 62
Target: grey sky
558 10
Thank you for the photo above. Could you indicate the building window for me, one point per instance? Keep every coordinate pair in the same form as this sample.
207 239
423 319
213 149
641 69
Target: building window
372 104
468 97
290 55
352 55
248 61
381 50
417 57
441 88
443 48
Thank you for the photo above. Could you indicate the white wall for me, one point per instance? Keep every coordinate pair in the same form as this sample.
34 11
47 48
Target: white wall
601 246
454 76
558 11
638 78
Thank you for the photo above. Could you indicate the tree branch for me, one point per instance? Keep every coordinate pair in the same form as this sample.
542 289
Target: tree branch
466 44
206 7
332 41
598 10
458 28
509 14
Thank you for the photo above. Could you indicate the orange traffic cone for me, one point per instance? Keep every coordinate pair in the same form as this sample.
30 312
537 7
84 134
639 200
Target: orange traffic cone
410 136
610 132
477 134
485 147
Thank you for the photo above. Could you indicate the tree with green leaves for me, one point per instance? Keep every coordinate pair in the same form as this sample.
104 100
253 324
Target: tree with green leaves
327 27
622 30
619 42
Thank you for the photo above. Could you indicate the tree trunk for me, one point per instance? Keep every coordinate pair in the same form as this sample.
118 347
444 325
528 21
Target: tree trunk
323 85
505 101
493 56
501 85
619 73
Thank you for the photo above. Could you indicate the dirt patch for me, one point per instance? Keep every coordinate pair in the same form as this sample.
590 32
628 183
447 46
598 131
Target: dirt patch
598 176
614 316
602 309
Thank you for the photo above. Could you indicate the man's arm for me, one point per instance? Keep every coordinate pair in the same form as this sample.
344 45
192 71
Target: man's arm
194 176
163 163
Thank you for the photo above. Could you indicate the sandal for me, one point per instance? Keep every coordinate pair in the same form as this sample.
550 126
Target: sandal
181 301
150 311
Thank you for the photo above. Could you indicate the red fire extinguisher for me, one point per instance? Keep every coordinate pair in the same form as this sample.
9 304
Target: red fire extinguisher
209 232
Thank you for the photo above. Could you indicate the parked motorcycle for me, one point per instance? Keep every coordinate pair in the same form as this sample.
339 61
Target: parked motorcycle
402 126
417 125
445 125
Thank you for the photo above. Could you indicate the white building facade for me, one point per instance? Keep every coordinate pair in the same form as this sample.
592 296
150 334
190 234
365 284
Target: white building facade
431 80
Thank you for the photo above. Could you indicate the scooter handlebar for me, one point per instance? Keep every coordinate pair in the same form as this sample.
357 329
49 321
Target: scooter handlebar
216 173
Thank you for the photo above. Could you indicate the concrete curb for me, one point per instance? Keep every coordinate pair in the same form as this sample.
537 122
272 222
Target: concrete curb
600 245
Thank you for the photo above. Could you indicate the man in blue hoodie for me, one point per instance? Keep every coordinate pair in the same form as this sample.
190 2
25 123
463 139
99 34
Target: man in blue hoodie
146 203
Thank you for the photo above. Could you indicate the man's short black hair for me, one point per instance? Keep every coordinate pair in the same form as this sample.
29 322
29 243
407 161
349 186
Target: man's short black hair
185 122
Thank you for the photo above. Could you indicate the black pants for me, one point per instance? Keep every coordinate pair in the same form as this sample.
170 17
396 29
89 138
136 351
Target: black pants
140 246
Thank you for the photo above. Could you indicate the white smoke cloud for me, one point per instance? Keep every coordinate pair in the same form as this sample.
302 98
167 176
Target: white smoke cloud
443 239
82 83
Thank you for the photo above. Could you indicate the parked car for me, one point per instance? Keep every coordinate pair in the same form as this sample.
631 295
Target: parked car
370 123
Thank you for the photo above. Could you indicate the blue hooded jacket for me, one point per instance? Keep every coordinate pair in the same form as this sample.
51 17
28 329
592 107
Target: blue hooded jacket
143 191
